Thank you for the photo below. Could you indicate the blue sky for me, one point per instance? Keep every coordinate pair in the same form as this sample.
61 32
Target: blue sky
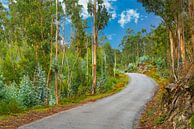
126 14
145 20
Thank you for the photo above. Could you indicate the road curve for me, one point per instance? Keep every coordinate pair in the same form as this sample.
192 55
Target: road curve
115 112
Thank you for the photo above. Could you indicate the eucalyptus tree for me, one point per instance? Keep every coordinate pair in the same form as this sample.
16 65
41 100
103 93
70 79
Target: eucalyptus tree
73 10
130 47
31 26
101 17
173 14
29 21
56 53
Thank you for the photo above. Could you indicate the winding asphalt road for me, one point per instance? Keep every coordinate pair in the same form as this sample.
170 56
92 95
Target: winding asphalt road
119 111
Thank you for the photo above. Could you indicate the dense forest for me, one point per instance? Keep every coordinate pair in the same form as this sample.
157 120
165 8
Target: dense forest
40 65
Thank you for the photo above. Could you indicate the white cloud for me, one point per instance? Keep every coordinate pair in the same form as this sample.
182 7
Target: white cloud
84 3
107 3
128 16
110 8
114 15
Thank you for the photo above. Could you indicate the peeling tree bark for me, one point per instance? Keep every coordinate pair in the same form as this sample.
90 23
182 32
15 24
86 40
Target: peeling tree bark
181 32
56 56
87 71
51 55
172 55
182 48
115 63
94 51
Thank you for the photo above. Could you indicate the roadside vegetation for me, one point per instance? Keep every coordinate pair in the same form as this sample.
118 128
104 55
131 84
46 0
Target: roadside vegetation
47 67
42 66
166 54
12 117
172 106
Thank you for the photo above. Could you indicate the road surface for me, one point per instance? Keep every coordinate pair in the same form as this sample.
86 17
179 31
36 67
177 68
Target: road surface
119 111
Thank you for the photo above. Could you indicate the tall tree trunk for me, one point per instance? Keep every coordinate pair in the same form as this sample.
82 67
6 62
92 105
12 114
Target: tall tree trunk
182 47
172 55
94 51
177 48
56 56
181 32
87 71
63 56
61 70
36 53
102 68
115 64
105 63
68 78
51 55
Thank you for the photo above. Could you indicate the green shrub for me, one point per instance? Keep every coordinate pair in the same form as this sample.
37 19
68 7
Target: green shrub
11 92
144 59
10 102
132 67
9 107
192 122
109 83
40 85
2 90
160 120
160 63
27 93
82 89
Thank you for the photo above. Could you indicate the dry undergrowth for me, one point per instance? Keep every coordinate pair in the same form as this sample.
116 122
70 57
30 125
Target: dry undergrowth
172 106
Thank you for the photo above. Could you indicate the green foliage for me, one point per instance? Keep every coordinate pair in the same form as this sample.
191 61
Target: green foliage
144 59
11 92
27 92
73 11
151 112
2 92
9 101
192 122
102 14
73 70
9 107
108 52
27 48
160 63
40 84
133 46
159 120
15 61
108 85
132 67
144 48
